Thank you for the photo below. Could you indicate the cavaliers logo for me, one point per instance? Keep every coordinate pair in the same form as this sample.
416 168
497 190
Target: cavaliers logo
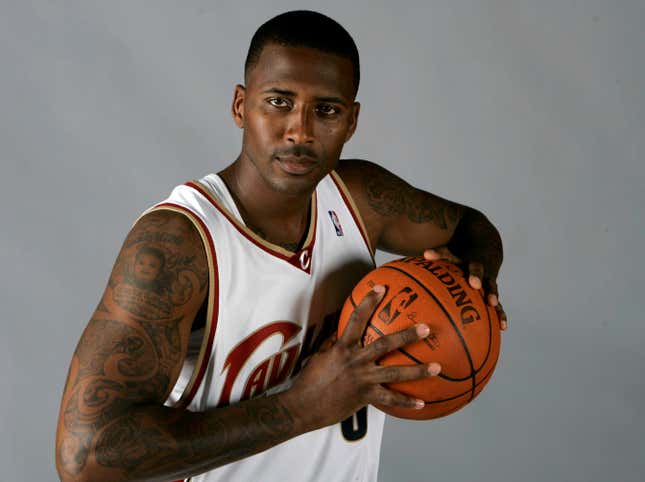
271 371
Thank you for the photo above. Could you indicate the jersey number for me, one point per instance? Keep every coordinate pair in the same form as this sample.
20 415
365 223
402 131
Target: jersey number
355 427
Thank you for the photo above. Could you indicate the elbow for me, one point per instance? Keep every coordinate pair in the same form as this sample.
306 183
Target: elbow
73 461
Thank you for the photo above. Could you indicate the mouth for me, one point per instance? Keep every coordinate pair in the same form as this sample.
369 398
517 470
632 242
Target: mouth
296 165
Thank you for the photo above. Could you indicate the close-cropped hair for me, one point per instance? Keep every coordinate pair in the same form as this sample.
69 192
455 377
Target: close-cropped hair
304 28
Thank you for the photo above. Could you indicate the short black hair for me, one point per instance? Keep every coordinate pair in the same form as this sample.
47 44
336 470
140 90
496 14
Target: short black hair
304 28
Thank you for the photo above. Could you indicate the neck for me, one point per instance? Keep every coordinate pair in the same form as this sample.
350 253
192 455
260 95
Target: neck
277 216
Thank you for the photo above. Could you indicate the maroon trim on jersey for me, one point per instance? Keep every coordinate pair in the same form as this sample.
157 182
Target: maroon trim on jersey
300 259
187 397
349 202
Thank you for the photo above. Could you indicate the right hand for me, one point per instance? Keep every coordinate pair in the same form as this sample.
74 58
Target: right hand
344 377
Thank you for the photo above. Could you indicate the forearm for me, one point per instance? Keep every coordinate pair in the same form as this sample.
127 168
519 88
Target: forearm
476 235
162 443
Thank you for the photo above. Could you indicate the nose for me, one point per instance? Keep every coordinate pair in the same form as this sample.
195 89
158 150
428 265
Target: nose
300 127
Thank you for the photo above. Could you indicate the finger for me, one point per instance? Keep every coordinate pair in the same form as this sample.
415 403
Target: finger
360 316
383 396
441 252
503 319
490 288
396 374
387 343
475 274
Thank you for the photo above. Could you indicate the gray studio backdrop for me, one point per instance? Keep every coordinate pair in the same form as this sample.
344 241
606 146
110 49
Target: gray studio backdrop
531 111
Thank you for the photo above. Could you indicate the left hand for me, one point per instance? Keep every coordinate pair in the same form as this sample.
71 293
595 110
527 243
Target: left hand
478 277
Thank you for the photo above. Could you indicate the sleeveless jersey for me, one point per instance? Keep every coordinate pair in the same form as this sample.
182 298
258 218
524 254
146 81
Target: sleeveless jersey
268 309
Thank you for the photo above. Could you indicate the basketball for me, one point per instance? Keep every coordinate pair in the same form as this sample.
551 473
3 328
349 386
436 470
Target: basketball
464 331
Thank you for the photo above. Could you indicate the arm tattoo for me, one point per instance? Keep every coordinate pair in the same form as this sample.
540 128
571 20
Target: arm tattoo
121 362
143 444
117 365
390 196
156 277
112 414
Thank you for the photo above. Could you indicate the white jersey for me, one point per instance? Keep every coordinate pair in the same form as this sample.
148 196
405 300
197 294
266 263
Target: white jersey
268 309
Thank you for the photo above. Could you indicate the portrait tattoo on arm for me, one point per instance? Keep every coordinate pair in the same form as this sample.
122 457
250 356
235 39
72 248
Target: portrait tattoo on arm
156 281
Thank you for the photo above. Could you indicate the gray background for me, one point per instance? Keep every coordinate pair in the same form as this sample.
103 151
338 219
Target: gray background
530 111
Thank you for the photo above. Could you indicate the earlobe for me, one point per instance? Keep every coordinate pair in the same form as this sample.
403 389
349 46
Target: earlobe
237 109
356 108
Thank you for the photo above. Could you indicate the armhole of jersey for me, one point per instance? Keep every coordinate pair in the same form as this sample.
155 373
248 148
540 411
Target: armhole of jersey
349 202
213 301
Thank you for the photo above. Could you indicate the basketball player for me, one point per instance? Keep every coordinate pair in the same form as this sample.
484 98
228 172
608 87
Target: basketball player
211 354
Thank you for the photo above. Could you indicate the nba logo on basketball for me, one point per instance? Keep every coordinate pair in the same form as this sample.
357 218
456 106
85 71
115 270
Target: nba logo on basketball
397 305
336 221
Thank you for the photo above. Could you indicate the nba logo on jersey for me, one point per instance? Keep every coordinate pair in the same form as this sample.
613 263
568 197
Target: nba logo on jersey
336 221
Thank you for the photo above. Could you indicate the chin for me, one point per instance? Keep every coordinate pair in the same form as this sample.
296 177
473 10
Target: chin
294 186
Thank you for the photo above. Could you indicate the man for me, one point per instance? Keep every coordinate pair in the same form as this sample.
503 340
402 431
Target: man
228 290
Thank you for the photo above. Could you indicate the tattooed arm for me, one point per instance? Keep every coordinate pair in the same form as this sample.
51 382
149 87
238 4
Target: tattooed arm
405 220
112 424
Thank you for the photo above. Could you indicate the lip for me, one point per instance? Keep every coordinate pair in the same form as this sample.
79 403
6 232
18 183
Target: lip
297 166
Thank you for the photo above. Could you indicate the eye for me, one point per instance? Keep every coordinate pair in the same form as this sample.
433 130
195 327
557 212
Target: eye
279 102
327 109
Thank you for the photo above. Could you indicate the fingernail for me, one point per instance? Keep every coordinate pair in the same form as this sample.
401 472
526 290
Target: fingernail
419 404
379 289
492 299
504 325
475 282
434 369
423 330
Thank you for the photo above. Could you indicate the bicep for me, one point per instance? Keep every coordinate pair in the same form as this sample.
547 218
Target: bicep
399 217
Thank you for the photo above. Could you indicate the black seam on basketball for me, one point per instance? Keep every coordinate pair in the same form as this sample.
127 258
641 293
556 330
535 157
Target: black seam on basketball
482 381
411 357
483 364
461 338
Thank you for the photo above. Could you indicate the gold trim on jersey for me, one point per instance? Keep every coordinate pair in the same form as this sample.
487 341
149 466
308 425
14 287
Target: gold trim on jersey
311 229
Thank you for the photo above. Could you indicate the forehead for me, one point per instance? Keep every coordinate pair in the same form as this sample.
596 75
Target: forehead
302 68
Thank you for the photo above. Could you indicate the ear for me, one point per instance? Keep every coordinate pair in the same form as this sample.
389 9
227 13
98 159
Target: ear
356 108
237 109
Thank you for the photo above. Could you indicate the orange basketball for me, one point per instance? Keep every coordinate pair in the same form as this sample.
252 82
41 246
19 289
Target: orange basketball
464 331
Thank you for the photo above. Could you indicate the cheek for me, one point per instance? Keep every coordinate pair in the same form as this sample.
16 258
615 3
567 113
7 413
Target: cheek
262 124
334 138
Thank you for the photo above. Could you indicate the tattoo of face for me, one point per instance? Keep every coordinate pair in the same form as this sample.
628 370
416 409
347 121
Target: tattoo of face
390 196
157 281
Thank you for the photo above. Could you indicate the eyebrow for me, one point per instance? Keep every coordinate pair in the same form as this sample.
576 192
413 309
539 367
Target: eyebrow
289 93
